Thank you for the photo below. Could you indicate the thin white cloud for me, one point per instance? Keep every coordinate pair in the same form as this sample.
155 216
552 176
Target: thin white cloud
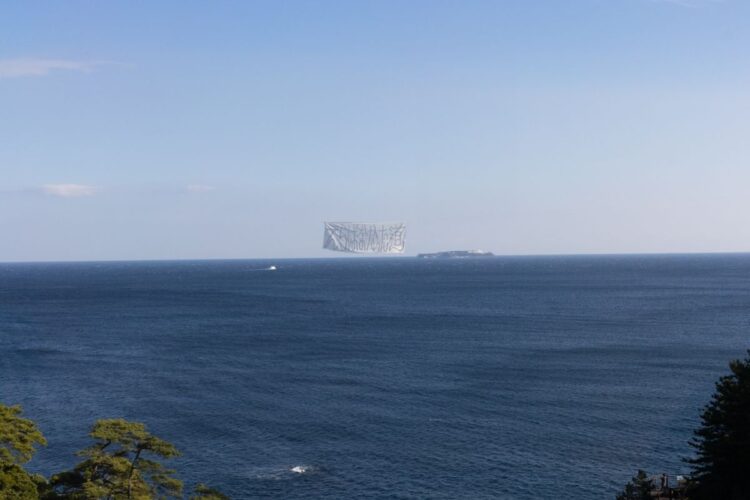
16 68
199 188
69 190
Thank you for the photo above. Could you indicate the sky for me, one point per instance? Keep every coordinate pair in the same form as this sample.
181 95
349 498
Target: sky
202 130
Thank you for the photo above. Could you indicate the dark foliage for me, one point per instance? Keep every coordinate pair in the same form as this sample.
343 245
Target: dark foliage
639 488
203 492
721 469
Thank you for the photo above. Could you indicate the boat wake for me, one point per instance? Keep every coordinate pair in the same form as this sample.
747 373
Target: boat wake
269 268
282 473
302 469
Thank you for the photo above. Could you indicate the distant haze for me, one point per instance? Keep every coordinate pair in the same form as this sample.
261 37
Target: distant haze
234 129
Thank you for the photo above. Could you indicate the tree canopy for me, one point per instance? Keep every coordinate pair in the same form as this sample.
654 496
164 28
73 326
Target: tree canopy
19 439
19 436
121 464
721 469
203 492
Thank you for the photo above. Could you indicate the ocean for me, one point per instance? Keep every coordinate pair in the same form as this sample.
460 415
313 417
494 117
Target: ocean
507 377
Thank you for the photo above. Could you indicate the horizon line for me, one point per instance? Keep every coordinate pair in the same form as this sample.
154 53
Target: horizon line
376 256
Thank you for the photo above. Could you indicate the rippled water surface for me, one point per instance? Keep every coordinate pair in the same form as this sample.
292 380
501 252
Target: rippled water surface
544 377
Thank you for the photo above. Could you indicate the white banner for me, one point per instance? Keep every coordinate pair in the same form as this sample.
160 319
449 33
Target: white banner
364 237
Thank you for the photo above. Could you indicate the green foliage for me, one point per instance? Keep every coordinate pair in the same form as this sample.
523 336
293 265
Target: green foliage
639 488
16 483
721 469
18 436
120 465
203 492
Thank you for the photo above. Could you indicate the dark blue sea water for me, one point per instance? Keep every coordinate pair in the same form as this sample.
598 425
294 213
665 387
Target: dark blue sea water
527 378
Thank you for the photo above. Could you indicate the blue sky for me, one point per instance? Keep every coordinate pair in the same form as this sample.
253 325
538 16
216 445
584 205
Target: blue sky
161 130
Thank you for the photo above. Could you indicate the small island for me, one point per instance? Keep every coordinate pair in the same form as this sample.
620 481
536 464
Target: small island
455 254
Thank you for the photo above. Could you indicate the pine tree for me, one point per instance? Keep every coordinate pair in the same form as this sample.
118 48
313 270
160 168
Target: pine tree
19 438
721 469
203 492
121 464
